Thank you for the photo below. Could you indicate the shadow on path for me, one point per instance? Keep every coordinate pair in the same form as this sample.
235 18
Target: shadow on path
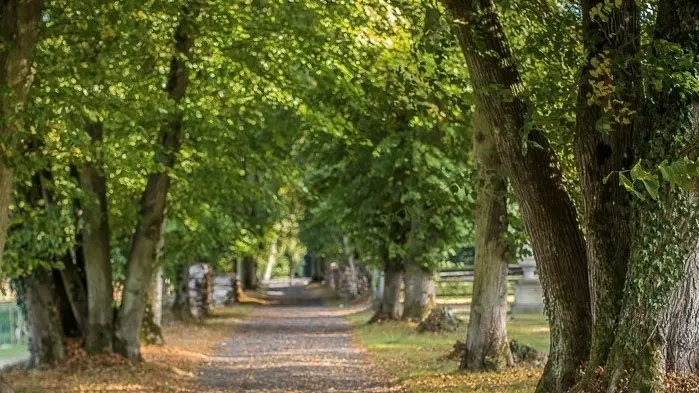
295 345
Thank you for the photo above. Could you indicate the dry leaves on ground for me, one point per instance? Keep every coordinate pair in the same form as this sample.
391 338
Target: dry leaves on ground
169 368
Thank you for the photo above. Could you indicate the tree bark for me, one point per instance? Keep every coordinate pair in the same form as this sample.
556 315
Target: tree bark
420 293
657 320
145 239
271 259
317 273
181 308
19 30
487 347
292 266
681 322
600 152
549 214
96 250
69 324
71 289
156 296
73 280
390 306
249 272
352 284
45 332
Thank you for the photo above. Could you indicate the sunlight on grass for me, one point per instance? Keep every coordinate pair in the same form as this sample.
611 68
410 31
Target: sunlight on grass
415 359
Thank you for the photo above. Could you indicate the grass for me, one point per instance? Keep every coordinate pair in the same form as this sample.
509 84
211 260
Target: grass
12 350
169 368
414 359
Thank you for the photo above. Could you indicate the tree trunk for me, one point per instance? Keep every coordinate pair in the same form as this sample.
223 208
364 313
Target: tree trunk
292 266
549 214
331 275
181 308
487 347
140 266
420 293
45 333
97 251
151 332
19 30
318 269
607 205
658 317
352 287
73 282
681 322
144 244
249 273
390 306
271 259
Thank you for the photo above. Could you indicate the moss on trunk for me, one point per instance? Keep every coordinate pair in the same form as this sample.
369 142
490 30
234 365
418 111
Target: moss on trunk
486 342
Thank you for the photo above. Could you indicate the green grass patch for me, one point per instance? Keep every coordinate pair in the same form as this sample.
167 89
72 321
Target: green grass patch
12 351
414 359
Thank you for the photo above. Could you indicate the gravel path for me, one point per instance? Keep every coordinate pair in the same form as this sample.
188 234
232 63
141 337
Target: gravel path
298 345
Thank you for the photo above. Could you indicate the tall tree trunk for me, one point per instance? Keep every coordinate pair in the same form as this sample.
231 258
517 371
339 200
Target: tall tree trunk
549 214
317 272
598 152
144 244
352 284
486 343
140 266
420 293
659 308
97 251
271 259
45 333
69 322
292 266
390 306
73 282
249 272
182 308
19 30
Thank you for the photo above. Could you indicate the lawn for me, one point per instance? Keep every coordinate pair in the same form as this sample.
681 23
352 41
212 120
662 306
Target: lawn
414 359
169 368
12 350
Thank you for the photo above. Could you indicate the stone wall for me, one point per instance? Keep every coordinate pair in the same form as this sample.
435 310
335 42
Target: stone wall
225 290
349 283
200 290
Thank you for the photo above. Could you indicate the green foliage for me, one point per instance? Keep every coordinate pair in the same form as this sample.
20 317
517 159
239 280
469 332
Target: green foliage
394 173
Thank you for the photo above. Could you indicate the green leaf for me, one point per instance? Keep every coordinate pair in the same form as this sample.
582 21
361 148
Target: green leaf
638 173
652 185
626 182
666 171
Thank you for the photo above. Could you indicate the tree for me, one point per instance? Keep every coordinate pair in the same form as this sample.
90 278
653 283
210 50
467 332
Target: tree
487 347
616 131
20 31
548 211
153 200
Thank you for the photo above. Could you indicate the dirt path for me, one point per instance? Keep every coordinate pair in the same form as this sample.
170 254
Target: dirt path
298 345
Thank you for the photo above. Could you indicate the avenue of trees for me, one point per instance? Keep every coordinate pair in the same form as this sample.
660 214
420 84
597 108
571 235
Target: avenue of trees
137 136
